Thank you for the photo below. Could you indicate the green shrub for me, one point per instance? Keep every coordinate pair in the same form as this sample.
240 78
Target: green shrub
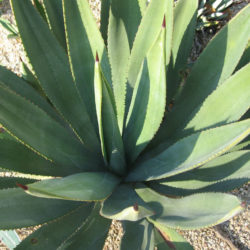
106 125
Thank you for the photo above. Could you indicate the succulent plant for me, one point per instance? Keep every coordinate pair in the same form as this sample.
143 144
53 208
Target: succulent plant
212 12
105 124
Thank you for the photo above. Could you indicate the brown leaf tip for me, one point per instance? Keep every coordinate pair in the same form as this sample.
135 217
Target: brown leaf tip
136 207
22 186
164 22
97 57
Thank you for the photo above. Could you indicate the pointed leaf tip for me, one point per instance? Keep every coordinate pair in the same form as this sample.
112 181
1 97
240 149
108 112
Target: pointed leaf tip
136 208
164 22
22 186
97 57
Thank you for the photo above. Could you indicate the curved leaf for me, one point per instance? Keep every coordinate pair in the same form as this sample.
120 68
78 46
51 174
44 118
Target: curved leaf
191 152
167 238
105 7
245 59
86 25
54 14
18 85
185 16
93 233
111 140
220 107
206 75
194 211
18 209
42 134
125 204
11 182
80 187
149 28
28 162
119 52
52 69
144 239
46 238
148 101
222 174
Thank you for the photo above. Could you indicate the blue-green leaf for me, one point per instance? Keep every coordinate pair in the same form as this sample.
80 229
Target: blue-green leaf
144 232
46 238
18 209
52 69
191 152
191 212
125 204
79 187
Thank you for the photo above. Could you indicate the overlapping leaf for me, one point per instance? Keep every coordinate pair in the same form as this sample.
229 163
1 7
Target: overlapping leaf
18 209
191 152
51 66
125 204
80 187
194 211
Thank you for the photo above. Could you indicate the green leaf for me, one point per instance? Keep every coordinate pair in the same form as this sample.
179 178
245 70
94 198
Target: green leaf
9 27
119 52
185 16
105 7
31 79
127 15
148 31
193 151
81 56
206 74
54 13
167 238
169 22
143 230
111 140
40 9
93 233
11 182
18 85
46 238
80 187
244 145
148 101
18 209
143 5
220 107
28 162
194 211
125 204
52 69
86 24
245 59
222 174
9 238
42 134
98 89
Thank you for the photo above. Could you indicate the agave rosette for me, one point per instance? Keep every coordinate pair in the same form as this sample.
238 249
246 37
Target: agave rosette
103 124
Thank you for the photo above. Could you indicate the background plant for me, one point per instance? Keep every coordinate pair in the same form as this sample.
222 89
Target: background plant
213 12
89 109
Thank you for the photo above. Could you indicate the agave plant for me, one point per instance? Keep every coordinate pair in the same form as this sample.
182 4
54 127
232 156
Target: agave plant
104 125
212 12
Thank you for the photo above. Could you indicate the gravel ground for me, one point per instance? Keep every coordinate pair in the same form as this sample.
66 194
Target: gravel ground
234 234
